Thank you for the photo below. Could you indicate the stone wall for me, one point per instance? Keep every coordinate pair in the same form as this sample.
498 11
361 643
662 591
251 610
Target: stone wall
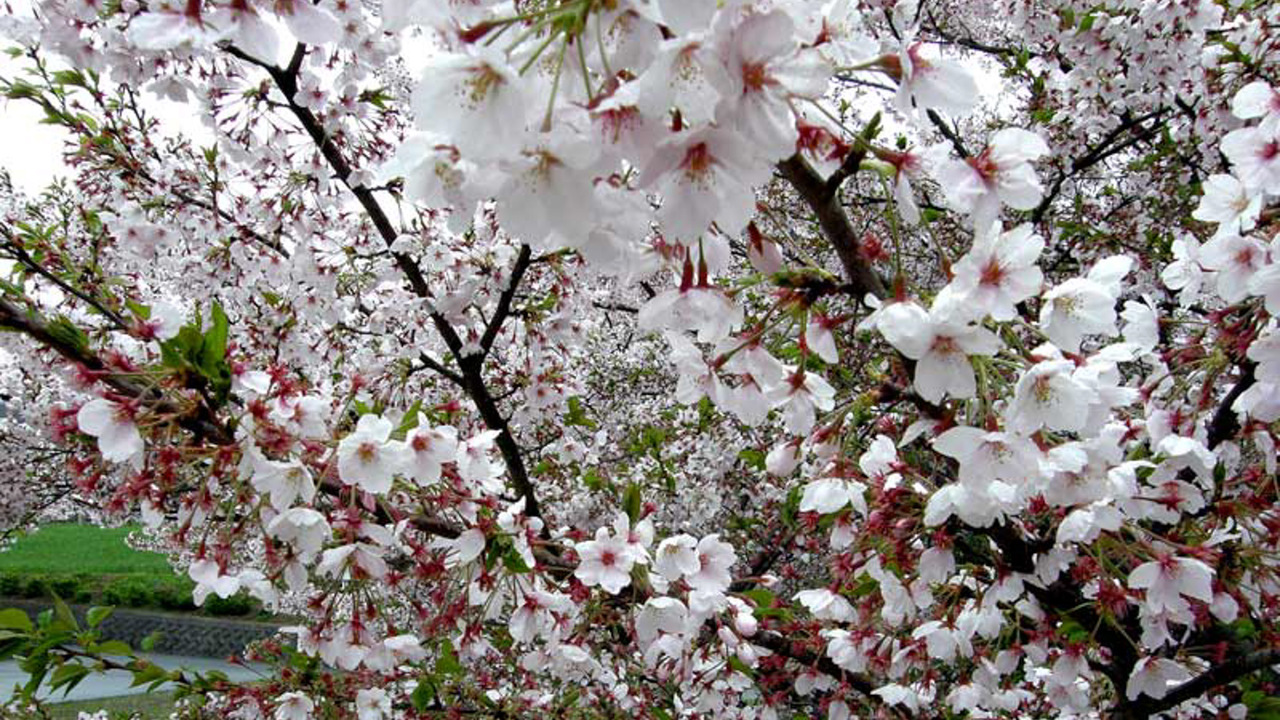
180 634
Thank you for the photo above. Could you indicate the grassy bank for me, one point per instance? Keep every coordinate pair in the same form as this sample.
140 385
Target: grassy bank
69 549
88 564
152 706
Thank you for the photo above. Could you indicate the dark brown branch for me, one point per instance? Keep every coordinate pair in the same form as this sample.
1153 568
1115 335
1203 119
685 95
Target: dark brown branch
500 315
854 159
784 647
493 419
431 364
1105 148
813 189
1220 674
472 365
287 81
21 255
1225 424
947 132
200 421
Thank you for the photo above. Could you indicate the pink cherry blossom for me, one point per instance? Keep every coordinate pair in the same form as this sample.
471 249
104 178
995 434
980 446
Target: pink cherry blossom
999 175
605 561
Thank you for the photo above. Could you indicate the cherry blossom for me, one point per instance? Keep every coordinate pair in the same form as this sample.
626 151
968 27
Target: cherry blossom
703 177
294 706
1227 203
764 71
1155 677
1084 306
1168 579
428 449
1000 271
940 343
1048 395
1000 175
367 458
605 561
714 379
715 559
113 425
477 92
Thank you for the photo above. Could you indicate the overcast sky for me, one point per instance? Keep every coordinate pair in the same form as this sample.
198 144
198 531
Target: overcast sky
31 152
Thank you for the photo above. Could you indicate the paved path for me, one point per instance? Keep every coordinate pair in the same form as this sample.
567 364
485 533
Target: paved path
116 682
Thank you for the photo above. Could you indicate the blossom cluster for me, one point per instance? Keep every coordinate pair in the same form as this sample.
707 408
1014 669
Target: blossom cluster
676 359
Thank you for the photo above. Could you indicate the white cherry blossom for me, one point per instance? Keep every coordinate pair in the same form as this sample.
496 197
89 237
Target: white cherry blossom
940 344
1000 271
367 457
605 561
475 99
999 175
113 425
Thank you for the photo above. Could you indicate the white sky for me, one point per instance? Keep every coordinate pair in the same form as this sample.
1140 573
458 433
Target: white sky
31 152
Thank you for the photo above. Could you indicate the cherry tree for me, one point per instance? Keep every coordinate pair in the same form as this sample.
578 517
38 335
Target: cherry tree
653 358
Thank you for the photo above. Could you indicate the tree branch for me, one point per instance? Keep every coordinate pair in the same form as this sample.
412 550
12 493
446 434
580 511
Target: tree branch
813 189
1220 674
201 423
21 255
492 329
947 132
472 365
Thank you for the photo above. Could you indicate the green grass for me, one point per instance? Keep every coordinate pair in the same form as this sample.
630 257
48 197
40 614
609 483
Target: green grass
151 706
93 565
81 549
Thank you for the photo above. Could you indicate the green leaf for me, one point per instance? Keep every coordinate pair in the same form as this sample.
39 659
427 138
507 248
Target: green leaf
760 596
593 480
66 333
149 642
113 647
138 309
212 358
37 677
447 663
215 341
145 672
1261 706
512 561
423 695
410 419
741 667
578 415
791 508
1244 629
752 458
69 675
96 615
63 613
631 502
15 619
1073 631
